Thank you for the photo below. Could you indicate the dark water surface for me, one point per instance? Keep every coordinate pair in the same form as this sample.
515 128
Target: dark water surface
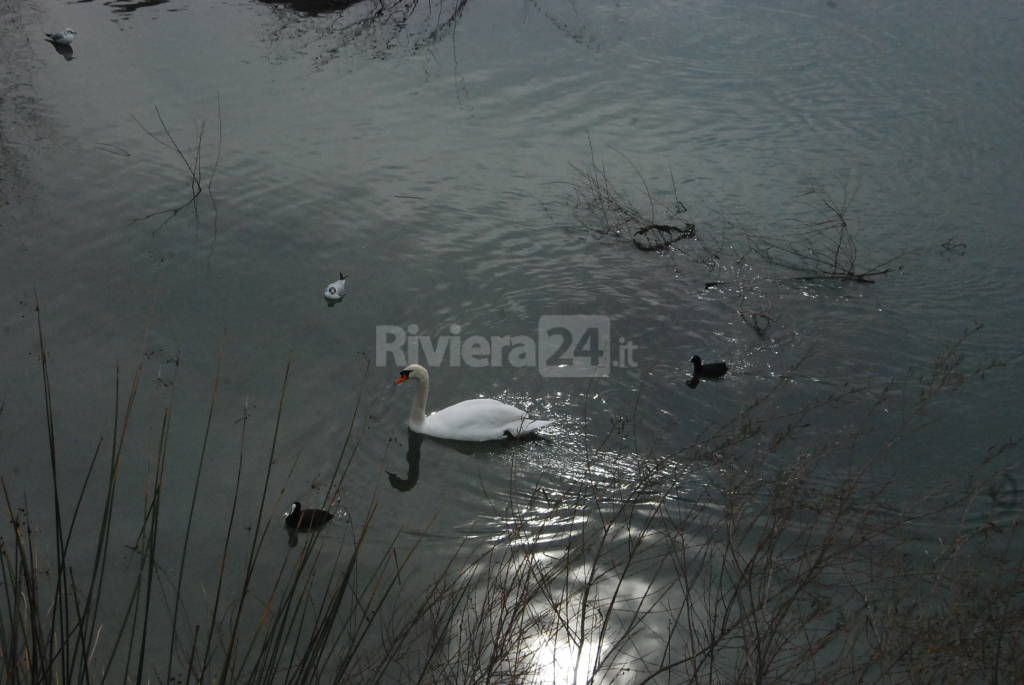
433 162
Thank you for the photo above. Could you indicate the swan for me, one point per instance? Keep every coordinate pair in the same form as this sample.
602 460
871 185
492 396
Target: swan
336 290
62 37
306 519
472 420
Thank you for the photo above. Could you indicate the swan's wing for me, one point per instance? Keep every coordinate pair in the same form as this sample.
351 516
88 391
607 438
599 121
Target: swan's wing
478 420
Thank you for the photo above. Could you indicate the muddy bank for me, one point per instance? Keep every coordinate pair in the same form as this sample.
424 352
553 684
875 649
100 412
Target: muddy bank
18 103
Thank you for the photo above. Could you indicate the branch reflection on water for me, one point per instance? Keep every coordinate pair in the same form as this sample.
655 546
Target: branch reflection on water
381 27
378 27
412 455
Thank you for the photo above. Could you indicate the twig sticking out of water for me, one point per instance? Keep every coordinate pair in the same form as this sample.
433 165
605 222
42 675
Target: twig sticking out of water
193 164
602 208
825 250
954 246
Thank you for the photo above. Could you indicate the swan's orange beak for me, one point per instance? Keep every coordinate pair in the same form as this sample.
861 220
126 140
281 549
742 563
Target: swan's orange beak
401 379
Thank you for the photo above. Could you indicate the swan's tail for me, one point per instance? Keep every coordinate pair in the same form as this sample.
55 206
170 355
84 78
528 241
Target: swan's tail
526 427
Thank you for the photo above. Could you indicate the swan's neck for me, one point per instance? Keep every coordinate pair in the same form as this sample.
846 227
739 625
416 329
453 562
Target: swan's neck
418 413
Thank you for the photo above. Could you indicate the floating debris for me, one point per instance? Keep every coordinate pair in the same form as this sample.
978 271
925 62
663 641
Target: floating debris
659 236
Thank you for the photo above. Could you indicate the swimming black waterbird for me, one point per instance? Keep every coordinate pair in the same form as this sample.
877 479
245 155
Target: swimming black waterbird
701 370
306 519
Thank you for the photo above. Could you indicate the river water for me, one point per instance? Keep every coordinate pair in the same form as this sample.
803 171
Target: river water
446 159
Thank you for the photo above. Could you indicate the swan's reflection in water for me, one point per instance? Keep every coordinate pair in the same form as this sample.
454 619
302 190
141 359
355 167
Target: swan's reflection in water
412 454
569 511
412 458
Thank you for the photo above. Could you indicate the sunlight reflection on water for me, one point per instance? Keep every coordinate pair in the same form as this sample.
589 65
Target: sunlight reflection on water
441 170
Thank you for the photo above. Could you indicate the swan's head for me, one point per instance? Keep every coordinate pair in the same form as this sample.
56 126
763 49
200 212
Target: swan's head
695 360
412 371
294 509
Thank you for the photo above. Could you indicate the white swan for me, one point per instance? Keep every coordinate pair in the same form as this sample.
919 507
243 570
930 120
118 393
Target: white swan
475 420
